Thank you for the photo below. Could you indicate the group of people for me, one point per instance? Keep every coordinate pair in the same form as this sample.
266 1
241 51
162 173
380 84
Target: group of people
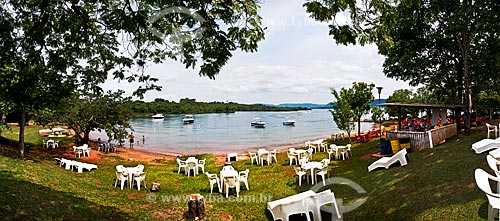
132 139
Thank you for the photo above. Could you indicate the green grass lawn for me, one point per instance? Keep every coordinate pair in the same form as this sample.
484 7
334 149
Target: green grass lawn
437 184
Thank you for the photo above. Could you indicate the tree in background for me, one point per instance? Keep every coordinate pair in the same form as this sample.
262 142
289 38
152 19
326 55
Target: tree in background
342 113
89 112
377 113
357 99
51 48
404 96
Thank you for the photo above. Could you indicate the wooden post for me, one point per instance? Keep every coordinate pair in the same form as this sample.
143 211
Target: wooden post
196 206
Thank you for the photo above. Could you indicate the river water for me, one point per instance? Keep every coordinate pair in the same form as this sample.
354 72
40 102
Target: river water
223 133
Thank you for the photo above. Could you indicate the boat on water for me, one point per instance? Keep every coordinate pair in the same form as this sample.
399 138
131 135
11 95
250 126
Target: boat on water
188 119
157 116
289 122
257 122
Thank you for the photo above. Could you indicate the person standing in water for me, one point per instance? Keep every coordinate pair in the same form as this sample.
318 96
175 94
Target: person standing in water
131 139
143 139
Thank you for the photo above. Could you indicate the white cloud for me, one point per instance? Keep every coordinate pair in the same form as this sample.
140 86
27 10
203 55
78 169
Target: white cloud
297 62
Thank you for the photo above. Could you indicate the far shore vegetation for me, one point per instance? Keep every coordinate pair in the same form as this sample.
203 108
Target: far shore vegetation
191 106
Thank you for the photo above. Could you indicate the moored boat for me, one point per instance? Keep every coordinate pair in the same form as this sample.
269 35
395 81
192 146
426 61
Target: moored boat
157 116
289 122
188 119
257 122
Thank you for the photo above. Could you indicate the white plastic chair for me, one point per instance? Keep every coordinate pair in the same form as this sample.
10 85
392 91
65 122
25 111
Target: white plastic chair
182 165
336 150
281 209
323 173
291 157
321 199
120 176
140 168
300 173
492 128
232 182
483 182
309 154
201 164
119 168
140 178
325 162
296 207
78 152
485 145
348 150
228 167
303 160
101 147
213 179
330 153
272 155
493 163
388 161
243 177
86 151
253 156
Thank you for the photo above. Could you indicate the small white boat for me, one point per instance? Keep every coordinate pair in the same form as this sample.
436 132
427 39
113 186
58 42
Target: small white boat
257 122
157 116
289 122
188 119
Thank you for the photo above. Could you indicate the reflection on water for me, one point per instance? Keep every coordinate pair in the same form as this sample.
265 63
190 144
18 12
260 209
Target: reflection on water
223 133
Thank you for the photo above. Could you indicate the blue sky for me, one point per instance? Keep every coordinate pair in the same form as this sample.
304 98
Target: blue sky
298 62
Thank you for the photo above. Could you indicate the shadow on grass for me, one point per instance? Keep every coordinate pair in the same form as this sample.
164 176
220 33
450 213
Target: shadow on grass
22 200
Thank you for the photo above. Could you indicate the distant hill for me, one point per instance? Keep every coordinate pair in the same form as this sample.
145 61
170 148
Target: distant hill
318 106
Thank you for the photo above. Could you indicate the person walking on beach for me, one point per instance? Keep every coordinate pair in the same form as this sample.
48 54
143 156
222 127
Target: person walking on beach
131 139
143 139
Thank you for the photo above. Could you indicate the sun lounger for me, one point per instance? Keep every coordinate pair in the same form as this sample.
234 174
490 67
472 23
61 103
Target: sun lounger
70 164
80 166
388 161
495 153
485 145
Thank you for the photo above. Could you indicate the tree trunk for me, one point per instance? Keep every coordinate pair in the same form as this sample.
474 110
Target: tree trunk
196 206
22 122
86 137
359 125
464 44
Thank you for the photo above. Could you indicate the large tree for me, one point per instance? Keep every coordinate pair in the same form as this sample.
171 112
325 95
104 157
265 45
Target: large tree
51 47
441 44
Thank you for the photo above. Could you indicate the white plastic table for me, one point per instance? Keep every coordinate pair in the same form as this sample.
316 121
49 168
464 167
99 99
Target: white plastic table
318 144
262 153
338 150
227 173
311 166
299 152
130 173
195 161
